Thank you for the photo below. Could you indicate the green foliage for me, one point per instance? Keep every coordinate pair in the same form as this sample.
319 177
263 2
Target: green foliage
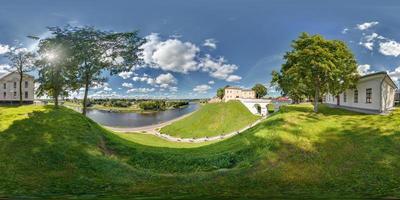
260 90
211 120
316 66
221 92
95 51
152 105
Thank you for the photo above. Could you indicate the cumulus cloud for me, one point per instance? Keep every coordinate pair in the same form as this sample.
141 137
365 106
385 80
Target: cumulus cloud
4 68
211 82
4 49
127 85
390 48
345 30
165 80
367 25
368 40
211 43
217 68
395 75
141 90
364 69
170 55
233 78
201 88
175 55
125 75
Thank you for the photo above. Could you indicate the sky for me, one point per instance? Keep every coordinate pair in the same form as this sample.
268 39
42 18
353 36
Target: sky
194 47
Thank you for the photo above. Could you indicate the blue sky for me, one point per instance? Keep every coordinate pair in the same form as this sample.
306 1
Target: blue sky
196 46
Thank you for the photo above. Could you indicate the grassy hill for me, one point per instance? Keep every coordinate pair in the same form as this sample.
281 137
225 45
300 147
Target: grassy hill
47 152
212 119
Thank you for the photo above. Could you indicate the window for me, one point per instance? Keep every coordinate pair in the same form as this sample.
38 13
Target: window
15 95
26 84
4 95
26 95
355 96
368 96
344 97
15 85
4 86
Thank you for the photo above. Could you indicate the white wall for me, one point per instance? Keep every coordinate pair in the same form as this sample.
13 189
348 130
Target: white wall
9 81
250 104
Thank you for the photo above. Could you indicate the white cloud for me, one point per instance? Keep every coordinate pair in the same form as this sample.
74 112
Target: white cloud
141 90
364 69
201 88
4 68
390 48
173 89
4 49
170 55
107 89
211 43
211 82
345 30
366 25
395 75
217 68
233 78
125 75
165 80
127 85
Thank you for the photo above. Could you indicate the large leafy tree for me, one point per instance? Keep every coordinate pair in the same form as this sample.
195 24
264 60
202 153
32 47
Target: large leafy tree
54 67
21 61
316 66
96 52
260 90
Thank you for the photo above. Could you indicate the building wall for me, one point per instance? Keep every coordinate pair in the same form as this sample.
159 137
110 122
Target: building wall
237 93
378 100
12 93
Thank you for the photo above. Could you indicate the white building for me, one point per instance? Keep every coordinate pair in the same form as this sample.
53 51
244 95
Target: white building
374 93
9 88
236 93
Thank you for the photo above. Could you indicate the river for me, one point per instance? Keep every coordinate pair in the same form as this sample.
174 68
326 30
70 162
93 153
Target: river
133 120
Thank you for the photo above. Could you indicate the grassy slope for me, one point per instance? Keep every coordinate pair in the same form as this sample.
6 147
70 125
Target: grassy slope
294 152
212 119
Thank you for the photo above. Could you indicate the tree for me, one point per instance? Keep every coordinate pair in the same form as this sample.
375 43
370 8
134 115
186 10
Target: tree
21 61
96 52
54 58
316 66
221 92
260 90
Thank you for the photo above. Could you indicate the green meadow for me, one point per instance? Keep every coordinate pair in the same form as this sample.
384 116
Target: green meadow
47 152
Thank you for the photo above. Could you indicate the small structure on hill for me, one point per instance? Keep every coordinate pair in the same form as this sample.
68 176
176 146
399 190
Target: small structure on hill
236 93
9 88
374 93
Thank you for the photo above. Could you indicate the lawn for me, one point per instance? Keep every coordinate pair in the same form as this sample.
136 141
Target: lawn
294 153
212 119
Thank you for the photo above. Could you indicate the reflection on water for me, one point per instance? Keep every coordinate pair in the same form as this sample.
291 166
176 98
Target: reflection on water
130 119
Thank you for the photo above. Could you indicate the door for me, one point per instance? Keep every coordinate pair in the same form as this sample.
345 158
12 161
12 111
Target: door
338 100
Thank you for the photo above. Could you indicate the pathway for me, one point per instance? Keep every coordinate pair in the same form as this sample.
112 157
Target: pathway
153 130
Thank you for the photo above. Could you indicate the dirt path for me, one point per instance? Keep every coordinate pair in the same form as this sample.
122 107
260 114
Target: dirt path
153 131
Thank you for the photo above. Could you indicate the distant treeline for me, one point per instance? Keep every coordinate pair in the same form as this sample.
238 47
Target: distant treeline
143 104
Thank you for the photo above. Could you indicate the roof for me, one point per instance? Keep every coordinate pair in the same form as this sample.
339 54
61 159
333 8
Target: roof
6 74
380 73
233 87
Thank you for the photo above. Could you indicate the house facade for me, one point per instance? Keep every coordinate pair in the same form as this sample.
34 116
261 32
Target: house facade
9 88
374 93
236 93
397 96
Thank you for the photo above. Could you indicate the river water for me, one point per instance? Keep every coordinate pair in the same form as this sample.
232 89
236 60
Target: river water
132 119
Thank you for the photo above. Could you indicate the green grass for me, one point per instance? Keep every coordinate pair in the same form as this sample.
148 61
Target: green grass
294 153
212 119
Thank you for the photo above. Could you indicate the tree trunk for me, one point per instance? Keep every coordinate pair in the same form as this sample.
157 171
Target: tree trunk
56 101
316 98
21 76
85 98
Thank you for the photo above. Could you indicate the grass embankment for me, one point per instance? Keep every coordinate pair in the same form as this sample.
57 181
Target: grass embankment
294 153
212 119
